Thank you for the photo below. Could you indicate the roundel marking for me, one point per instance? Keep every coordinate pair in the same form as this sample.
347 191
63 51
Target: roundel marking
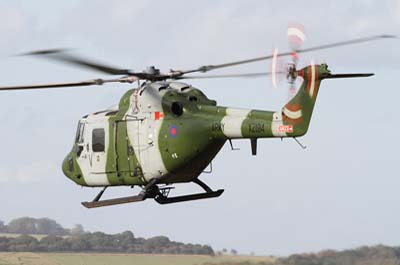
173 131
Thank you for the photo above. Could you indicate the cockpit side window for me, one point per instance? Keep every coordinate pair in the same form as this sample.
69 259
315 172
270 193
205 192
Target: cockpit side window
79 139
98 140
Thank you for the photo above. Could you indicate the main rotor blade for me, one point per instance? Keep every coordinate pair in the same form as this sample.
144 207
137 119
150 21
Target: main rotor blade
248 75
62 56
71 84
349 42
206 68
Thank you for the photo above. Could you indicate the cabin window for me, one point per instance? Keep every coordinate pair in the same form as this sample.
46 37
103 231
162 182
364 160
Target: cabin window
98 140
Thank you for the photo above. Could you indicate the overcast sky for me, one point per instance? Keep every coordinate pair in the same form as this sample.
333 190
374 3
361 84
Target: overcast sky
341 192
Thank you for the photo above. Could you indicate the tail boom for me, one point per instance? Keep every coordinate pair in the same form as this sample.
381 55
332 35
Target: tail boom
292 120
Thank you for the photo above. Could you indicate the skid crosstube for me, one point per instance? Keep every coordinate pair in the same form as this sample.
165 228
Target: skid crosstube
151 190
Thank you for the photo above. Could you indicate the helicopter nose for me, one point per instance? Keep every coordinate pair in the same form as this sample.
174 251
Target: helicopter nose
68 166
71 169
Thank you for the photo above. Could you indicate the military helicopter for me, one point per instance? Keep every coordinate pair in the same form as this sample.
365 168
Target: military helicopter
165 131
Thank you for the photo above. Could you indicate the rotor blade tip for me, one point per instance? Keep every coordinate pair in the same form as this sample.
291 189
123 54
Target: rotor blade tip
389 36
44 52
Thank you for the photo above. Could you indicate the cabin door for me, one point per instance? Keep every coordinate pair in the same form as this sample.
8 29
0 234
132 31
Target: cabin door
126 157
137 136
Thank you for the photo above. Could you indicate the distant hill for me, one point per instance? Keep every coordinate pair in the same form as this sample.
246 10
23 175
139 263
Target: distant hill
19 236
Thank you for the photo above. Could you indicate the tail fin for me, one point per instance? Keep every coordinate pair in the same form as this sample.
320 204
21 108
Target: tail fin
298 111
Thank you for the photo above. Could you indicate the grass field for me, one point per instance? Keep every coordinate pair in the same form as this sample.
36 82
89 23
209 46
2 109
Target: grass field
7 258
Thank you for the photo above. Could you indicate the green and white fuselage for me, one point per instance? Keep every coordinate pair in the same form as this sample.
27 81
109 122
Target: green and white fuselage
171 131
166 132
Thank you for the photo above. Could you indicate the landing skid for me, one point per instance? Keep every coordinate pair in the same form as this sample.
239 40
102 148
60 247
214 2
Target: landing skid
160 195
190 197
94 204
140 197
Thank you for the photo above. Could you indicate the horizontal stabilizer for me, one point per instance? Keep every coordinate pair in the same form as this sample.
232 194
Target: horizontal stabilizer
331 76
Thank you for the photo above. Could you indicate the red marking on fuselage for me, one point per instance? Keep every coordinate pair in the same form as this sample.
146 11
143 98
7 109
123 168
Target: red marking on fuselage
158 115
293 107
285 128
301 73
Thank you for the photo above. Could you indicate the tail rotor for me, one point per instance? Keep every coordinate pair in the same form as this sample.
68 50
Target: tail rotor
296 37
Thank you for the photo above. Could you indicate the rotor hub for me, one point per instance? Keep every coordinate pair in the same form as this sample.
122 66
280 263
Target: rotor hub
152 70
291 73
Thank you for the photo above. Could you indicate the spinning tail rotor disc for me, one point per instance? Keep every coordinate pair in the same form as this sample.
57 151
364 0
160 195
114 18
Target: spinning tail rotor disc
296 37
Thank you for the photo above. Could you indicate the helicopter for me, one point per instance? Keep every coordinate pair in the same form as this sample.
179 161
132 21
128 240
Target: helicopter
164 131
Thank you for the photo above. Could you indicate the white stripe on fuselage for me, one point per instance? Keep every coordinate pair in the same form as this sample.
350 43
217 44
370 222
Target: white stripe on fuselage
233 122
146 133
294 115
277 123
312 85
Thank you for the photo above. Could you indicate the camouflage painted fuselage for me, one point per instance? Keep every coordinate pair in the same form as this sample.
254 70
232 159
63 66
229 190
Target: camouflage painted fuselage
172 131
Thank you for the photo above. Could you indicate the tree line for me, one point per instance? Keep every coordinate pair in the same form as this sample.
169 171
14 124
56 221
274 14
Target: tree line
382 255
28 225
59 239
